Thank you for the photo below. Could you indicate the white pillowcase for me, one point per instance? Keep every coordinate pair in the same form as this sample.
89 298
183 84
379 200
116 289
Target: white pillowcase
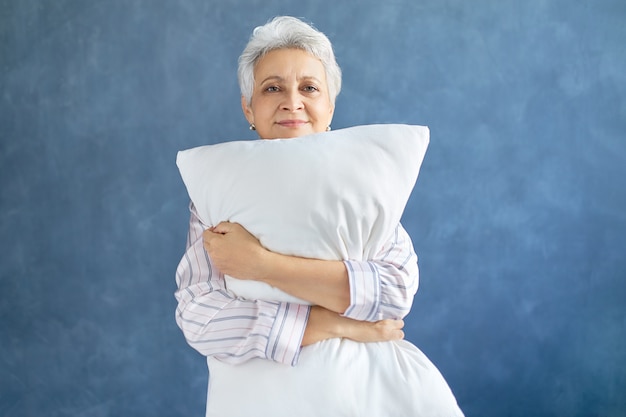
333 195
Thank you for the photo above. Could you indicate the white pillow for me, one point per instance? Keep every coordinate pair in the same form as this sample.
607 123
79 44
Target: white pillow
333 195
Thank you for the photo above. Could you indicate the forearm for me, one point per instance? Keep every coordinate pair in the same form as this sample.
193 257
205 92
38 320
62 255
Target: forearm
321 282
371 290
325 324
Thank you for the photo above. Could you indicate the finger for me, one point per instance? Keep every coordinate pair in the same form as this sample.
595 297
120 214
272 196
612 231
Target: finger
222 227
208 235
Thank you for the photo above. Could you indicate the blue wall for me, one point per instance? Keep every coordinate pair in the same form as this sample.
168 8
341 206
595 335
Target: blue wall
519 214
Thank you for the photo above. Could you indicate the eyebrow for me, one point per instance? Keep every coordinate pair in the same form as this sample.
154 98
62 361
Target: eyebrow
280 79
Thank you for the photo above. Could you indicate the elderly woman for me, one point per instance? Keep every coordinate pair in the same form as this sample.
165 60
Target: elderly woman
289 81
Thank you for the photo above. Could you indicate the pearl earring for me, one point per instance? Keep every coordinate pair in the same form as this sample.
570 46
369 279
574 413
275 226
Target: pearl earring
252 126
328 128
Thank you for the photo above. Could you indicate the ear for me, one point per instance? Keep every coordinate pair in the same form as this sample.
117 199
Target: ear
247 110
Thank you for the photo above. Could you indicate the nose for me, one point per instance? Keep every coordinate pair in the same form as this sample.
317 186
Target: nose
292 101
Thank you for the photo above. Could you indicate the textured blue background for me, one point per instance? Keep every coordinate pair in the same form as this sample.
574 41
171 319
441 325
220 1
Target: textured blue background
519 214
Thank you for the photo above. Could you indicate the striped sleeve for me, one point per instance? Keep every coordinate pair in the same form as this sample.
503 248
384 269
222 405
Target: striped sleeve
215 323
384 287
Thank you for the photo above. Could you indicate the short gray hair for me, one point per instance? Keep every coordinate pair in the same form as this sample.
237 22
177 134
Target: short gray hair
285 32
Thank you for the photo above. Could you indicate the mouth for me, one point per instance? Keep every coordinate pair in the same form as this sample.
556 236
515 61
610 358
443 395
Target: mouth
292 123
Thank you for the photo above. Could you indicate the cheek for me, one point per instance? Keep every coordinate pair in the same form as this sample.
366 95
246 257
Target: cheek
324 113
260 110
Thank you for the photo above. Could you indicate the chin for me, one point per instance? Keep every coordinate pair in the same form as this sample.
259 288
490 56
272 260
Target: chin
293 132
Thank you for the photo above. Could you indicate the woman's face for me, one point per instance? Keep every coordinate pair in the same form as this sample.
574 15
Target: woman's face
290 96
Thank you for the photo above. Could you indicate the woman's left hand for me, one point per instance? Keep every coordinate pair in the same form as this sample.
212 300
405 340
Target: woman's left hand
234 251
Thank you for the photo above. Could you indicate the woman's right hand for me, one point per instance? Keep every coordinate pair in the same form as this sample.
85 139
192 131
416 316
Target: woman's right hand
325 324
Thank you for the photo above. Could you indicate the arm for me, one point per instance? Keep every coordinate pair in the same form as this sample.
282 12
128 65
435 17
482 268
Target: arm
381 288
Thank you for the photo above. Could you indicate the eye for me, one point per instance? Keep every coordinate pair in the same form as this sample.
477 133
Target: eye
310 88
272 89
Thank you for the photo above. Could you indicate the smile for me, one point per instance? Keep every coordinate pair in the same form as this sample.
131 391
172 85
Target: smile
292 123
